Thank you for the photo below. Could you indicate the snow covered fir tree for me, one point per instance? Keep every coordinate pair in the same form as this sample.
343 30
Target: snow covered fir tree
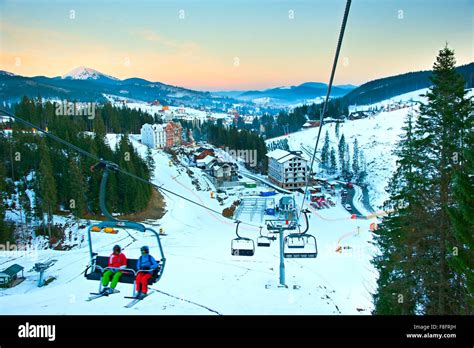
426 245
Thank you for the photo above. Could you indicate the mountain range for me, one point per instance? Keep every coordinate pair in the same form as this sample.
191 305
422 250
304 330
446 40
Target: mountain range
388 87
86 84
290 94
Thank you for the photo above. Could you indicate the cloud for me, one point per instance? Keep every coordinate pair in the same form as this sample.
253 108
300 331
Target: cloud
167 44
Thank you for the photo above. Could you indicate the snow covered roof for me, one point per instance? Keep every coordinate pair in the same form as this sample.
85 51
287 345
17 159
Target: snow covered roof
286 158
158 126
277 154
223 164
155 126
13 269
282 156
206 160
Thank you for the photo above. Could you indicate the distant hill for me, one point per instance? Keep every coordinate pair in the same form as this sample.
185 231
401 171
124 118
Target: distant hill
388 87
290 94
85 84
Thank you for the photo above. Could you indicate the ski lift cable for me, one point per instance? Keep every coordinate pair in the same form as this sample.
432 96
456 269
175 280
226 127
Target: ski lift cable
323 112
123 171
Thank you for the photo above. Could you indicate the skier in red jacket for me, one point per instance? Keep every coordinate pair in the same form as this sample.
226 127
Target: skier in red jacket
117 261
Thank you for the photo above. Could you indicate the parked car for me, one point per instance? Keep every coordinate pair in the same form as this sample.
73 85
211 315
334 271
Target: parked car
348 207
349 185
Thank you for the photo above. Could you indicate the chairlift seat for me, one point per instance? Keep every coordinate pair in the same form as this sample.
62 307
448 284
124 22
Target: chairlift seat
242 247
300 255
293 242
308 250
243 252
263 242
128 277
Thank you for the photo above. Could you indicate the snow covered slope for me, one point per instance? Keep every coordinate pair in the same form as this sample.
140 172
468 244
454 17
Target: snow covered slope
180 112
376 135
201 276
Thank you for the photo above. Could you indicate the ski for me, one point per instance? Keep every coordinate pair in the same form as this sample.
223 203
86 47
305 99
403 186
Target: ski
136 300
96 295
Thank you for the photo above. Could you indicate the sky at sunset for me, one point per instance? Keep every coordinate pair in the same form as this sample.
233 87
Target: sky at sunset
232 45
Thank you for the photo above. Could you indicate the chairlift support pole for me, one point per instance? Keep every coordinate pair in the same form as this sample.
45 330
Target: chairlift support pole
41 267
281 225
282 260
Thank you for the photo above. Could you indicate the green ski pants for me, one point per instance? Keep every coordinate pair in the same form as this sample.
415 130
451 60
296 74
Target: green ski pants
111 274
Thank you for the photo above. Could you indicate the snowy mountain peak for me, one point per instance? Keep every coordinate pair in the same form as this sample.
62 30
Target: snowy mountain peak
83 73
3 72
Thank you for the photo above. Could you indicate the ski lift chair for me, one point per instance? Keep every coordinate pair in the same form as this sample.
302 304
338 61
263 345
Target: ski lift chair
242 246
98 264
264 241
301 244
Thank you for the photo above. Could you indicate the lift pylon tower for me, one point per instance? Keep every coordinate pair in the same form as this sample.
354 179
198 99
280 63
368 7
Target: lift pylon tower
281 225
287 221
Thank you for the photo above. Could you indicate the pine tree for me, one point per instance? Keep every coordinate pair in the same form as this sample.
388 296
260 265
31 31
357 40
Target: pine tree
325 152
346 170
397 285
150 161
355 159
25 204
333 165
336 129
342 152
363 168
5 235
47 186
442 127
461 215
77 198
422 240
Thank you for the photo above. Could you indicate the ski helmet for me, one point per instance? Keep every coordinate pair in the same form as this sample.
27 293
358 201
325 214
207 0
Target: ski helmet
117 248
145 248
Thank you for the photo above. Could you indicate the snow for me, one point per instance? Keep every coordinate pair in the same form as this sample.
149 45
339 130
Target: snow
180 112
277 154
201 275
3 72
377 136
83 73
414 97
